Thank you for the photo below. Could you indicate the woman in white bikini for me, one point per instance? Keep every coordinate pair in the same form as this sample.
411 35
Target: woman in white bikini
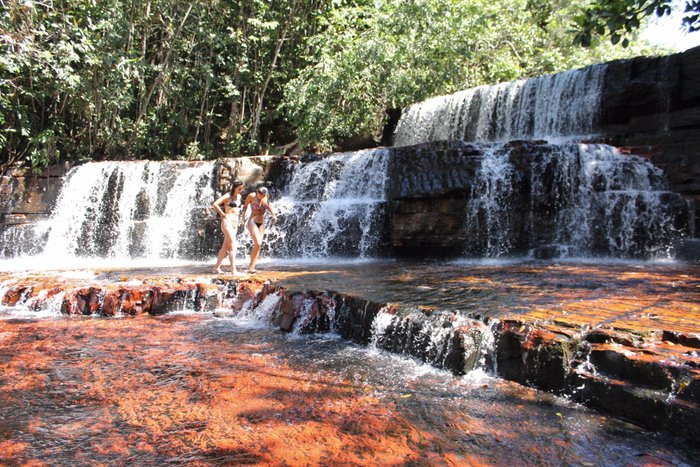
258 202
228 207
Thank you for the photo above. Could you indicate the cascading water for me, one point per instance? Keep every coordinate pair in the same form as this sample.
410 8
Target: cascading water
577 199
332 207
19 240
261 314
551 200
45 303
125 210
443 339
560 200
489 208
551 106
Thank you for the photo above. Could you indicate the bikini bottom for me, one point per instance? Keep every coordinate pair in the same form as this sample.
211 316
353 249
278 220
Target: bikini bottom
230 223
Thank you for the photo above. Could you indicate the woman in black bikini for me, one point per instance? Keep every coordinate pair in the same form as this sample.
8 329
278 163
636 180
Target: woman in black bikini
228 207
258 202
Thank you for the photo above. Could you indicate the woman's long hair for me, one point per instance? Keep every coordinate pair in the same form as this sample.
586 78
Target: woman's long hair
236 183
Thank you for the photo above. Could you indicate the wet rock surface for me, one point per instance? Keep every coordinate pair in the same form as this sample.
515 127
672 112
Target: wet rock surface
25 199
603 336
199 390
652 106
438 199
452 198
645 105
597 334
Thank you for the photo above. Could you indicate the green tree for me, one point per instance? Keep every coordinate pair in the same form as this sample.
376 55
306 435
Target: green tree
620 19
392 53
146 79
162 79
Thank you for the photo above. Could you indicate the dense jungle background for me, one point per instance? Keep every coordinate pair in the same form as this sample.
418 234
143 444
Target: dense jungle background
166 79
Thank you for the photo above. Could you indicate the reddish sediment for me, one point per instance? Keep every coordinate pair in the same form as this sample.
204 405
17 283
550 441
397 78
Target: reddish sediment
150 391
625 341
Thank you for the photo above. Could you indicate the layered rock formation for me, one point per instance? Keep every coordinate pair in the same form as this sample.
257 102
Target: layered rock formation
28 198
652 105
648 105
456 198
651 378
447 198
25 199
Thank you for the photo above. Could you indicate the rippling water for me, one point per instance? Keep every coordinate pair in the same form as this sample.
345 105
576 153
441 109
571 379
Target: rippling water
207 391
498 288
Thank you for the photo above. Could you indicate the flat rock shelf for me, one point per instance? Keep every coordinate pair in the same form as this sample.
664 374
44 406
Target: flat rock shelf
621 338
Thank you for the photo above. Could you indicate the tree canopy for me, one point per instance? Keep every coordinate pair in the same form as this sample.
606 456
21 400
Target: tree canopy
162 79
369 59
620 19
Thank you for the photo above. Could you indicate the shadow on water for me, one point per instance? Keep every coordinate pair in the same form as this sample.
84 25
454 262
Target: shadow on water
197 389
477 416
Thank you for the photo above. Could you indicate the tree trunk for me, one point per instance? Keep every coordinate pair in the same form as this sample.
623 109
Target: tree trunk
254 131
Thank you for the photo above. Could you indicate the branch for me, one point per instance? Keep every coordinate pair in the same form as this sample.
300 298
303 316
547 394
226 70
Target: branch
159 78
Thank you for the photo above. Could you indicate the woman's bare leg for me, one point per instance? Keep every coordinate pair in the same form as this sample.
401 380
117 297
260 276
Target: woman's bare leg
257 234
232 256
220 259
226 248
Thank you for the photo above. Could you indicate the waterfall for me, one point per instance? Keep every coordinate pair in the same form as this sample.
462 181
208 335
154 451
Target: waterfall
489 208
332 207
575 200
261 314
491 200
126 210
19 240
552 106
444 339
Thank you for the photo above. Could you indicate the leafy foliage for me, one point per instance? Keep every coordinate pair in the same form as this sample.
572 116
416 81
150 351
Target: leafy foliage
621 18
162 79
152 79
396 52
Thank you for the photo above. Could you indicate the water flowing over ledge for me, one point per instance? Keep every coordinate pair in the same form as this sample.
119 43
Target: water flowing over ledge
649 105
595 333
332 206
456 199
138 209
560 106
532 198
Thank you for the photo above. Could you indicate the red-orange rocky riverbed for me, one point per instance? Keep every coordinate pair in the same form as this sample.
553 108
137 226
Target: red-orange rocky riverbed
199 389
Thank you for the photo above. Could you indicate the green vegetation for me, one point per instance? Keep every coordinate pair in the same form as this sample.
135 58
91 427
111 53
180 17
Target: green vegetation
164 79
370 59
620 19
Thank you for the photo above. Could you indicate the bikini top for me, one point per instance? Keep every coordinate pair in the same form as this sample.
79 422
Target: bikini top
256 207
235 203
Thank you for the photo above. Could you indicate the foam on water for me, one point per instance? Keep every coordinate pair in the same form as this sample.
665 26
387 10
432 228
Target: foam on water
260 316
35 307
584 200
85 266
119 211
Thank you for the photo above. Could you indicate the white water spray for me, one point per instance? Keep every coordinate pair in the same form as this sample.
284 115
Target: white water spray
584 199
552 106
332 206
123 210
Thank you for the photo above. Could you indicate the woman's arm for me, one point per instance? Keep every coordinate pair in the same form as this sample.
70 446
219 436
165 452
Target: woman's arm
245 206
268 206
217 204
